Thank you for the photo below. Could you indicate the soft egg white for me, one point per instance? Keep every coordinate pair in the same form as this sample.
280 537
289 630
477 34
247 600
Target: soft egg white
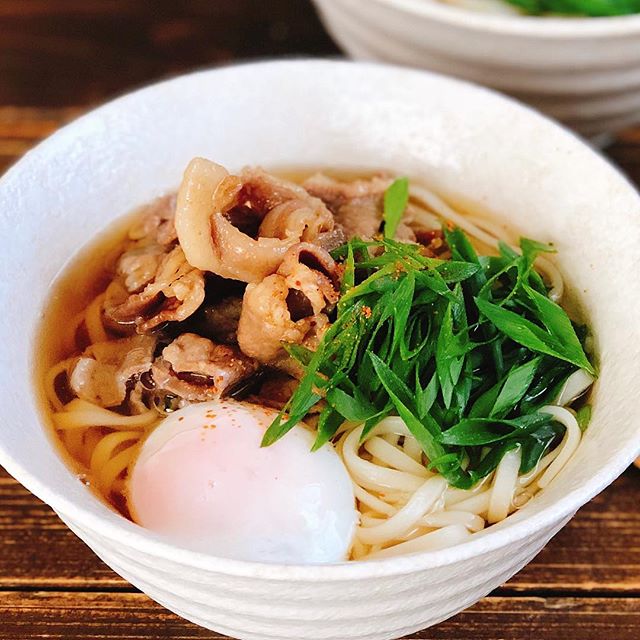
202 480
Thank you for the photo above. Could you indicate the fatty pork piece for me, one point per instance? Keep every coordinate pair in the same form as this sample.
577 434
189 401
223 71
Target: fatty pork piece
156 223
196 369
357 205
289 306
101 374
210 200
144 301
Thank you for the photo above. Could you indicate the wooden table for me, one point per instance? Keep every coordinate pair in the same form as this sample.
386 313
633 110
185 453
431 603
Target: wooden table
57 58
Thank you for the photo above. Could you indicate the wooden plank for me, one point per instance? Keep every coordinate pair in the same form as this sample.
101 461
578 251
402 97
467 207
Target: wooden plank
23 127
76 616
32 124
552 618
37 549
599 551
85 51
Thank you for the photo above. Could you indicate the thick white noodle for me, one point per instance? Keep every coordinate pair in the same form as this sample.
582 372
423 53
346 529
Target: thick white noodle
371 501
504 486
528 478
412 448
497 231
441 208
421 502
554 279
105 449
432 541
394 457
374 476
403 506
80 414
50 382
391 424
471 521
575 385
568 445
454 496
93 321
391 438
477 504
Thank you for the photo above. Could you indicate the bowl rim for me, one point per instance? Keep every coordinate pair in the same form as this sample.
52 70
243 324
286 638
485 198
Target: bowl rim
548 28
117 528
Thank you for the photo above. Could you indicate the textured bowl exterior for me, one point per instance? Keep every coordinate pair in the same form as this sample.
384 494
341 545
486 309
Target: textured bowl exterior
585 74
460 139
360 609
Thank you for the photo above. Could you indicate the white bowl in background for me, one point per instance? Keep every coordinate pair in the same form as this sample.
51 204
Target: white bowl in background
460 139
583 71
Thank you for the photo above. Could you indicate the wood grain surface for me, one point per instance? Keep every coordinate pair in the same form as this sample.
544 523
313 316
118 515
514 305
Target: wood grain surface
80 616
58 58
70 52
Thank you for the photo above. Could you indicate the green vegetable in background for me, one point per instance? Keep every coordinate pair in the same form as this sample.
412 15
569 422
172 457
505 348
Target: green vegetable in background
594 8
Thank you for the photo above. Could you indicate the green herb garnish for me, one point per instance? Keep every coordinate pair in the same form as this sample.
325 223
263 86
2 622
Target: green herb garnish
583 416
396 198
466 351
594 8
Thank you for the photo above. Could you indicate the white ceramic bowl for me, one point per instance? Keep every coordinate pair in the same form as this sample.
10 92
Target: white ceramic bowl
583 71
461 139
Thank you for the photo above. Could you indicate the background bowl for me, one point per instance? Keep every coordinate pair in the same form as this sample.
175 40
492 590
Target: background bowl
459 139
583 71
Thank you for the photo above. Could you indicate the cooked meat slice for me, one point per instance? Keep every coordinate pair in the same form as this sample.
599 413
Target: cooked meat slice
330 240
335 193
139 265
297 219
176 292
101 373
285 363
360 219
265 321
289 306
239 256
357 204
405 233
157 222
264 191
287 210
207 235
312 271
217 215
197 369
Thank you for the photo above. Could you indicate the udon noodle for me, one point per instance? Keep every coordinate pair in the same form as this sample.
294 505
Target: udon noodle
404 505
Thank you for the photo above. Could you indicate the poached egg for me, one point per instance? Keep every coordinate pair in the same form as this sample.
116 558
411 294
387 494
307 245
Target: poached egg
203 481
